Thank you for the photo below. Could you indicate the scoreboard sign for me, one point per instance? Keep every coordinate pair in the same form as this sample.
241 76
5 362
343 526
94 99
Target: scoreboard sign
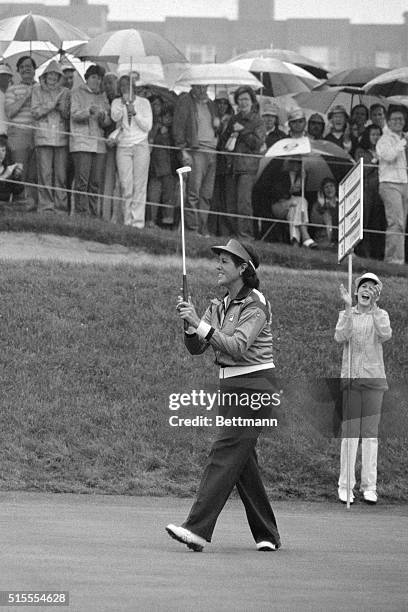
351 211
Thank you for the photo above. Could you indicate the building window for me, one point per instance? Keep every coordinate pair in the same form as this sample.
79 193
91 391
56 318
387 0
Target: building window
200 54
329 57
386 59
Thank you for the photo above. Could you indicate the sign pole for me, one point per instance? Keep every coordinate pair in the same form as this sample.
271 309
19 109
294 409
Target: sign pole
348 406
350 231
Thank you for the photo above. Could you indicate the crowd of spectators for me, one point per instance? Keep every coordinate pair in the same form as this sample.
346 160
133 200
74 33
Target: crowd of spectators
108 146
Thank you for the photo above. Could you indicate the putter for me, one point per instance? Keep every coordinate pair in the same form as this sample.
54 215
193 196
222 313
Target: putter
181 172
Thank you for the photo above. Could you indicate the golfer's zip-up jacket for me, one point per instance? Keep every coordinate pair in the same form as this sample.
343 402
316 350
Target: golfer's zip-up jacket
238 330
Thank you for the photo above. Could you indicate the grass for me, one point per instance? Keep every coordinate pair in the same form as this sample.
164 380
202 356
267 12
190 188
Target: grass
91 354
164 242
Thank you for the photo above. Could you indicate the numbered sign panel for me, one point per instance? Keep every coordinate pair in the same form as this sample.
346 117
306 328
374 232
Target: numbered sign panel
350 211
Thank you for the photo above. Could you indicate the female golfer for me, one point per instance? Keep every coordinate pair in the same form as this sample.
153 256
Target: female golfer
366 326
238 329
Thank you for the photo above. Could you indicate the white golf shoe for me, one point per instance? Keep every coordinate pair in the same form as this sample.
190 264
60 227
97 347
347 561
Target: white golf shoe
187 537
343 496
370 497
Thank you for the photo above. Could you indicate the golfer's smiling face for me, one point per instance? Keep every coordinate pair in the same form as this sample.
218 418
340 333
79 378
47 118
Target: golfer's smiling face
228 272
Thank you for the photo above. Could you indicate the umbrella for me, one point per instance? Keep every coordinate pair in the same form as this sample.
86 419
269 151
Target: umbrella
132 47
285 55
320 159
40 51
277 77
391 83
217 74
322 101
36 27
355 77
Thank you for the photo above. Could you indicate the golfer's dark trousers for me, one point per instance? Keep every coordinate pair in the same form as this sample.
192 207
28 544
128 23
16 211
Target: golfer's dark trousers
233 462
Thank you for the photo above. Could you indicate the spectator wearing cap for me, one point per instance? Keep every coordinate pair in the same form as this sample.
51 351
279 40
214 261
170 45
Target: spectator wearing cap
6 76
195 127
270 117
377 115
21 133
362 330
246 131
392 154
297 123
133 114
219 224
315 127
68 81
89 116
339 133
50 107
68 72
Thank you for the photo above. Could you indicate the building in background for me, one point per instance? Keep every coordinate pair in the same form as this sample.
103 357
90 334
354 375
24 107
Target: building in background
335 43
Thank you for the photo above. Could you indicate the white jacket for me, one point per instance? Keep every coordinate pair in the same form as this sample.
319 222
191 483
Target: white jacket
141 123
392 159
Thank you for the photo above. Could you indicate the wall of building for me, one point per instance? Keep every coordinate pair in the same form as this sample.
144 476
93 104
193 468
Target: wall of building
335 43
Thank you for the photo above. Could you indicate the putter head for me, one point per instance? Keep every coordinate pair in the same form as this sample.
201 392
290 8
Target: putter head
183 170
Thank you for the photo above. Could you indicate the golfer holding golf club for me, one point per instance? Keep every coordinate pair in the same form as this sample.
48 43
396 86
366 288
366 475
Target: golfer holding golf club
239 330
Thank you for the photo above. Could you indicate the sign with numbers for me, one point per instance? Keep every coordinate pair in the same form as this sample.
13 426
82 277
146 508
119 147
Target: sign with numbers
351 210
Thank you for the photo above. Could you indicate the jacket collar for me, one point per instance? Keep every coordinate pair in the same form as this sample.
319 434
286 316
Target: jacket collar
242 294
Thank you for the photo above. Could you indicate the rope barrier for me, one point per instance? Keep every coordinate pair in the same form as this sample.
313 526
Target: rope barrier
121 199
327 158
189 209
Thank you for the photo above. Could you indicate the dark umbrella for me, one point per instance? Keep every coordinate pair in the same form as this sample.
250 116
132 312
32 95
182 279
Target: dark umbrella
355 77
391 83
320 160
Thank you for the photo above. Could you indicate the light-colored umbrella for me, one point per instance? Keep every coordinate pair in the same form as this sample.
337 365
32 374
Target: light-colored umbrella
227 75
277 77
286 55
355 77
39 28
391 83
132 47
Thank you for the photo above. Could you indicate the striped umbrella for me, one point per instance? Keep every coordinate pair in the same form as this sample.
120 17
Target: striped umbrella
217 74
39 28
121 46
146 52
279 78
286 55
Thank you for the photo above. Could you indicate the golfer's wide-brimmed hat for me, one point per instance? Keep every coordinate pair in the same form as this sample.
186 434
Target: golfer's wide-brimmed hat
366 277
233 247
